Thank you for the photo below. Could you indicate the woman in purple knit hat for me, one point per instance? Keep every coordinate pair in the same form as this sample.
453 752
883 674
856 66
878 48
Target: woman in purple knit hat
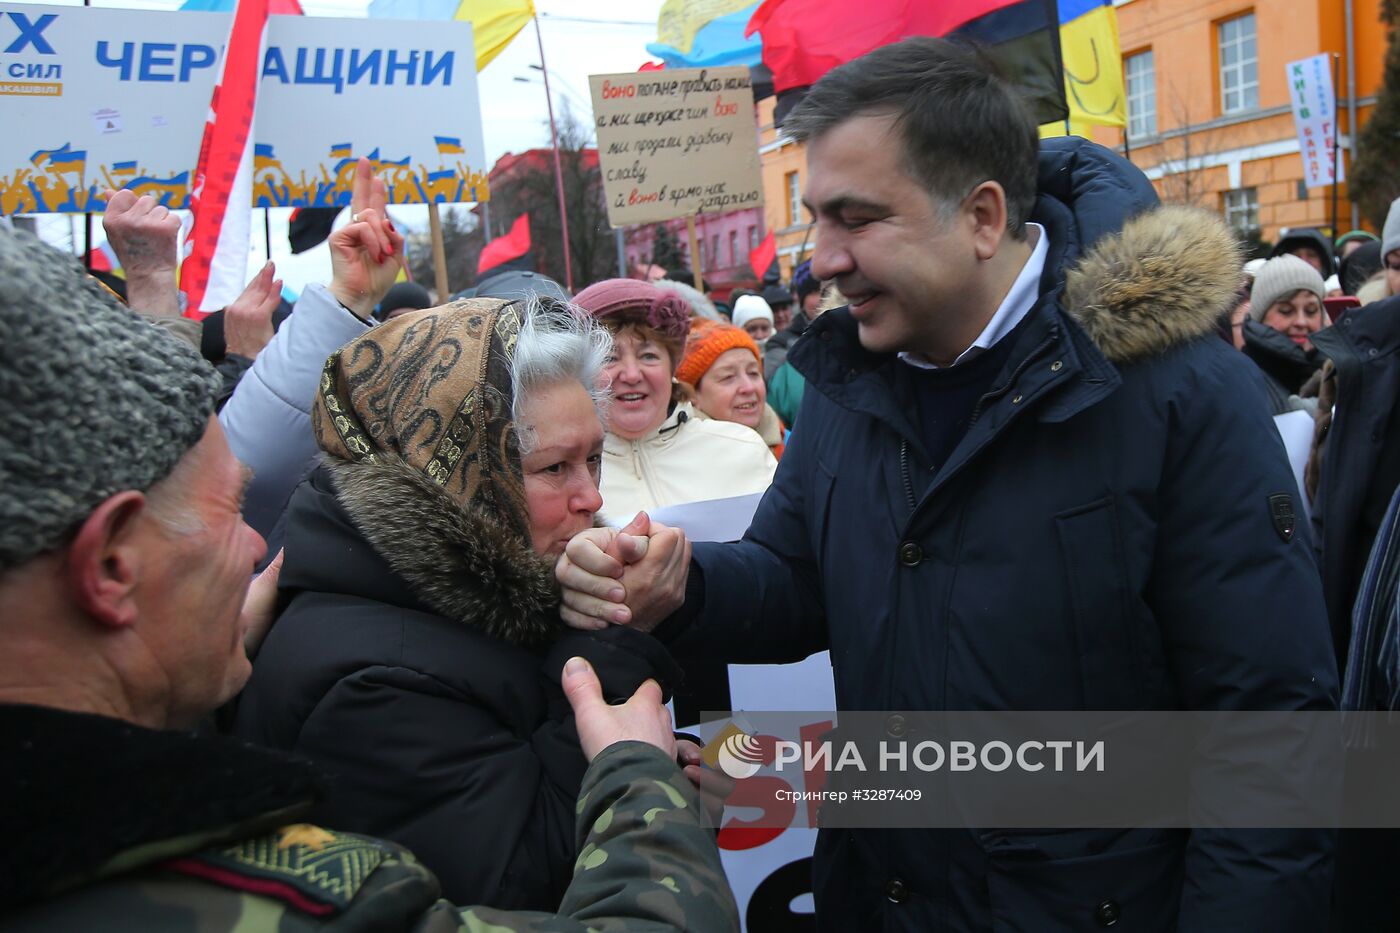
656 452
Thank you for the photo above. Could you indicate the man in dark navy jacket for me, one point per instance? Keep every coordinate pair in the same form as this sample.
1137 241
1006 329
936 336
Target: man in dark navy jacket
1028 477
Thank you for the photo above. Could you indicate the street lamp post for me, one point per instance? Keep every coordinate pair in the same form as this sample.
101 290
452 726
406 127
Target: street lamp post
558 167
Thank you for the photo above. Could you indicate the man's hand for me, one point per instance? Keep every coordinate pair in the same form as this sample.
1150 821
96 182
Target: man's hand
714 786
143 233
145 237
617 577
248 321
366 253
260 607
641 719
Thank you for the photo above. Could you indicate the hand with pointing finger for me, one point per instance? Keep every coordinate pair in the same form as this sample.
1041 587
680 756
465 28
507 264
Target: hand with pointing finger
365 253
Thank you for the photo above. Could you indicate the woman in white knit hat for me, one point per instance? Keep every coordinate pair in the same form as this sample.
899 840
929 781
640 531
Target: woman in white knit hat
1285 307
754 315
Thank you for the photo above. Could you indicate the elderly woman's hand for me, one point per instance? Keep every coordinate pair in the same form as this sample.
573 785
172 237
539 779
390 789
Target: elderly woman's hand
635 576
366 253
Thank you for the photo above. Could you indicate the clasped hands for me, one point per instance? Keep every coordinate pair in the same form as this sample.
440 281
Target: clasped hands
630 576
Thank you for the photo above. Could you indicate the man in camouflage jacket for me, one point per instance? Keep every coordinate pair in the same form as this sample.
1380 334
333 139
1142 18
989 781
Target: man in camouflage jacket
126 616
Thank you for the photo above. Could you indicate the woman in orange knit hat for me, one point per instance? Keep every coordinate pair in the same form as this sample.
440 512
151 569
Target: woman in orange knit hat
723 371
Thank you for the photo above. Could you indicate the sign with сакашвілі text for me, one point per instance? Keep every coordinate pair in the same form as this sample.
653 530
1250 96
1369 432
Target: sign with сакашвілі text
676 143
92 99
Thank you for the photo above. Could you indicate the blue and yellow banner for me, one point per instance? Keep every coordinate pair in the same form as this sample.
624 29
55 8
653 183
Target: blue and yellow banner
706 33
1093 65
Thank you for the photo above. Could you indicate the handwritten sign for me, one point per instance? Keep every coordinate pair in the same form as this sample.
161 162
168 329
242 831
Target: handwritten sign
1315 116
676 143
105 98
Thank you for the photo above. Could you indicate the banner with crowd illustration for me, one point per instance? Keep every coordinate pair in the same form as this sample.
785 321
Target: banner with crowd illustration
92 99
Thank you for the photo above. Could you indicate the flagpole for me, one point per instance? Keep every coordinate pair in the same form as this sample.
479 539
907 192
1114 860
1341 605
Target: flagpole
558 168
87 215
439 253
267 231
1336 139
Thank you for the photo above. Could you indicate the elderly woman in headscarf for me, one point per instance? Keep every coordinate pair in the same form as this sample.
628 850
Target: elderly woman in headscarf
417 657
657 453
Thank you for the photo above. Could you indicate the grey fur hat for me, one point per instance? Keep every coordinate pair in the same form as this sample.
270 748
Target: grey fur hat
93 400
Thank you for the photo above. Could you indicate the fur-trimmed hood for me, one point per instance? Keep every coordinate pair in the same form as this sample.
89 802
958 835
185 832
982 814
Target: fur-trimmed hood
1163 280
461 561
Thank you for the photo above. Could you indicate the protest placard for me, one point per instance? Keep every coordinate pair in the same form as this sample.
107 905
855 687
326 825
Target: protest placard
96 98
1315 116
676 143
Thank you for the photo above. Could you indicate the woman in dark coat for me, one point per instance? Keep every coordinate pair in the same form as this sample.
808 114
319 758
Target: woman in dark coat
1285 310
418 657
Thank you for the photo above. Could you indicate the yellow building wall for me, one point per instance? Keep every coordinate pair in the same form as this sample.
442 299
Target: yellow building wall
1184 37
777 161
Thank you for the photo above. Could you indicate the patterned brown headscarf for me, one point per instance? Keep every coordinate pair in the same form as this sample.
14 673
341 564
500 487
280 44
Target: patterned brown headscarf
434 388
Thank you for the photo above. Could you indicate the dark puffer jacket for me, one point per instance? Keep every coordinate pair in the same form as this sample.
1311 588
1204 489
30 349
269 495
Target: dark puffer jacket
1108 534
442 731
1285 365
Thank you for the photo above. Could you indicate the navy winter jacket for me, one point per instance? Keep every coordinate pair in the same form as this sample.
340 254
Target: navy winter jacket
1108 534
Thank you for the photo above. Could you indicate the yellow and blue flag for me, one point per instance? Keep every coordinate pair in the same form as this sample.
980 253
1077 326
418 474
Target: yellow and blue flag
448 145
263 157
124 168
1093 63
706 34
494 22
341 150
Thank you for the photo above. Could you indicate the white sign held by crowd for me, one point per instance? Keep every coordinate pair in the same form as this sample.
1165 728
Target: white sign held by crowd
98 98
676 143
1315 116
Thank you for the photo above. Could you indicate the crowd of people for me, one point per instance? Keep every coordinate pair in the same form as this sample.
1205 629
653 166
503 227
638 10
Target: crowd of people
344 614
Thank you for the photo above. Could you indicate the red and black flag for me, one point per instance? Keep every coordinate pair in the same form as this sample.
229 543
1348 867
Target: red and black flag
804 39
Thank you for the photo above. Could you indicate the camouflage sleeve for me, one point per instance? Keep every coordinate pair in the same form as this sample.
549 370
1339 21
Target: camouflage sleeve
646 860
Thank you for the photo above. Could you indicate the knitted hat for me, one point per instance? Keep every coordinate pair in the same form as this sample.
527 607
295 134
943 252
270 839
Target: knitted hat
435 390
96 401
1390 234
804 282
751 308
616 302
1350 235
1281 276
707 341
403 295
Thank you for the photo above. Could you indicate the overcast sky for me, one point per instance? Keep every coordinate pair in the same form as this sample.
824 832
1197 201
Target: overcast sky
579 40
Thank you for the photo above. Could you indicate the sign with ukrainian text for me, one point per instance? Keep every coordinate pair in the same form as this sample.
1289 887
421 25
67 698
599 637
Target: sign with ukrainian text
676 143
92 99
1315 116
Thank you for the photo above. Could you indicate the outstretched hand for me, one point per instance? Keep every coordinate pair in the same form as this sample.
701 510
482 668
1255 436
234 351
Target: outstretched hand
642 718
365 253
248 321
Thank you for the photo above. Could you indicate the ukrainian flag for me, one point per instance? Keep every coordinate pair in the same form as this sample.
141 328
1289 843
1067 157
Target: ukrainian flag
263 157
1093 65
124 168
448 145
64 155
341 151
705 35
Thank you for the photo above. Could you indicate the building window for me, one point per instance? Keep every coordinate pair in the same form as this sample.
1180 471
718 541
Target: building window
753 238
733 247
704 257
1239 66
714 251
1242 211
794 197
1142 95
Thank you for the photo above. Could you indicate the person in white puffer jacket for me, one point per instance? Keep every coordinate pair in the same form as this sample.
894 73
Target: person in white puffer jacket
656 452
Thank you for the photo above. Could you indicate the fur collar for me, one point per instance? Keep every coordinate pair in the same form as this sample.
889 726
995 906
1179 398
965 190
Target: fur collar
1161 281
86 796
463 562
